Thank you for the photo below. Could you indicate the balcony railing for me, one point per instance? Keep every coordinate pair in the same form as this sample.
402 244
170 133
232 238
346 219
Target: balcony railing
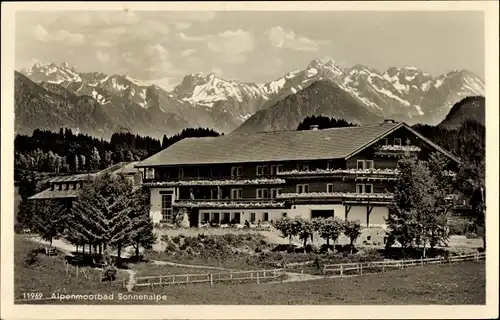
214 182
342 195
395 150
341 172
229 203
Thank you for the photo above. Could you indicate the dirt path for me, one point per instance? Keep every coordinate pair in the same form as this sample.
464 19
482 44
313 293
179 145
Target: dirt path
194 266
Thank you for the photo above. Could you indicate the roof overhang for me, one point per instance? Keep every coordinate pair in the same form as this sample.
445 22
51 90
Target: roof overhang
416 133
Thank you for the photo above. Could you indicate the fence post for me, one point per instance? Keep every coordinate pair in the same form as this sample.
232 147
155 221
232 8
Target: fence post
77 271
211 280
173 279
341 270
361 269
67 267
264 274
258 277
421 261
383 266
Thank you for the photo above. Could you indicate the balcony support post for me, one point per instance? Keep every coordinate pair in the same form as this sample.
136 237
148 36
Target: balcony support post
369 209
347 209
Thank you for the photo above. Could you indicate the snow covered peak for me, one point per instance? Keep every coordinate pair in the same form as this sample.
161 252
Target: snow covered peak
52 73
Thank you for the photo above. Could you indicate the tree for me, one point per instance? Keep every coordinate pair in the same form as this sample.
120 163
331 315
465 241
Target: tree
76 163
323 123
284 225
95 159
352 230
329 228
303 228
142 230
102 214
49 219
443 181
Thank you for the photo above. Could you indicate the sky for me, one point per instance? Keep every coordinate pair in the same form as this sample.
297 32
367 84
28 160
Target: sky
248 46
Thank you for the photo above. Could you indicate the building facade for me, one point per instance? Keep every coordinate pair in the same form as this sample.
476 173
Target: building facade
259 178
66 188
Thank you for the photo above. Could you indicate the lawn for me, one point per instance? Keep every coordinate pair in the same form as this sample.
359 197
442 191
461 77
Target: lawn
461 283
47 275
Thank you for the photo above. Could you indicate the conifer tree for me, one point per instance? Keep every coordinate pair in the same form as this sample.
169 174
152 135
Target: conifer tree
49 219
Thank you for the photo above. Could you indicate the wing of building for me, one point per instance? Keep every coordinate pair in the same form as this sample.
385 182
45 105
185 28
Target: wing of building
260 177
66 188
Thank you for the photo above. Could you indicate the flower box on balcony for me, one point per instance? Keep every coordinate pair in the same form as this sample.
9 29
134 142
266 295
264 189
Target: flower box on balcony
395 150
228 204
346 195
233 182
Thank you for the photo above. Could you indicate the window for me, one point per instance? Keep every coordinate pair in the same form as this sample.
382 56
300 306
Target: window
206 217
360 164
329 164
262 193
226 217
265 193
322 213
360 188
279 168
329 187
368 188
302 188
279 190
236 193
364 188
181 173
236 171
252 216
397 141
274 193
214 194
265 216
304 166
150 173
273 170
259 170
166 207
265 170
237 217
385 141
369 164
216 217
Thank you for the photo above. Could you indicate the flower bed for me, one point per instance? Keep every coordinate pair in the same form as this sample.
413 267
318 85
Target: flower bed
214 182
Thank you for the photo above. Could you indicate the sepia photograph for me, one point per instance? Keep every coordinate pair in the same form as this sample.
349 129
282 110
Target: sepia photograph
214 155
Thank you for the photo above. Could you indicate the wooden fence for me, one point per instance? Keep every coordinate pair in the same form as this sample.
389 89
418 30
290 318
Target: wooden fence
234 276
381 266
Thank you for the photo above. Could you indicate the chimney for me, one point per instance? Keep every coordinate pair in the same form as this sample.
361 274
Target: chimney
314 127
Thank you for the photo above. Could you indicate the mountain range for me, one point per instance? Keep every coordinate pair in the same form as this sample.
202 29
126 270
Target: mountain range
49 96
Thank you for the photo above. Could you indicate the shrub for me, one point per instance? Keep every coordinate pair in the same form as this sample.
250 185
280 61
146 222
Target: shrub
471 235
109 274
32 258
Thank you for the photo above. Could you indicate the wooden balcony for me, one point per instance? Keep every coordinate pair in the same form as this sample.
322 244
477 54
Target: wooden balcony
244 203
220 181
357 174
395 150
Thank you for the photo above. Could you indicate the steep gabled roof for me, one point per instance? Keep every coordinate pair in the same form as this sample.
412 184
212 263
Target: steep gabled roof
332 143
416 133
